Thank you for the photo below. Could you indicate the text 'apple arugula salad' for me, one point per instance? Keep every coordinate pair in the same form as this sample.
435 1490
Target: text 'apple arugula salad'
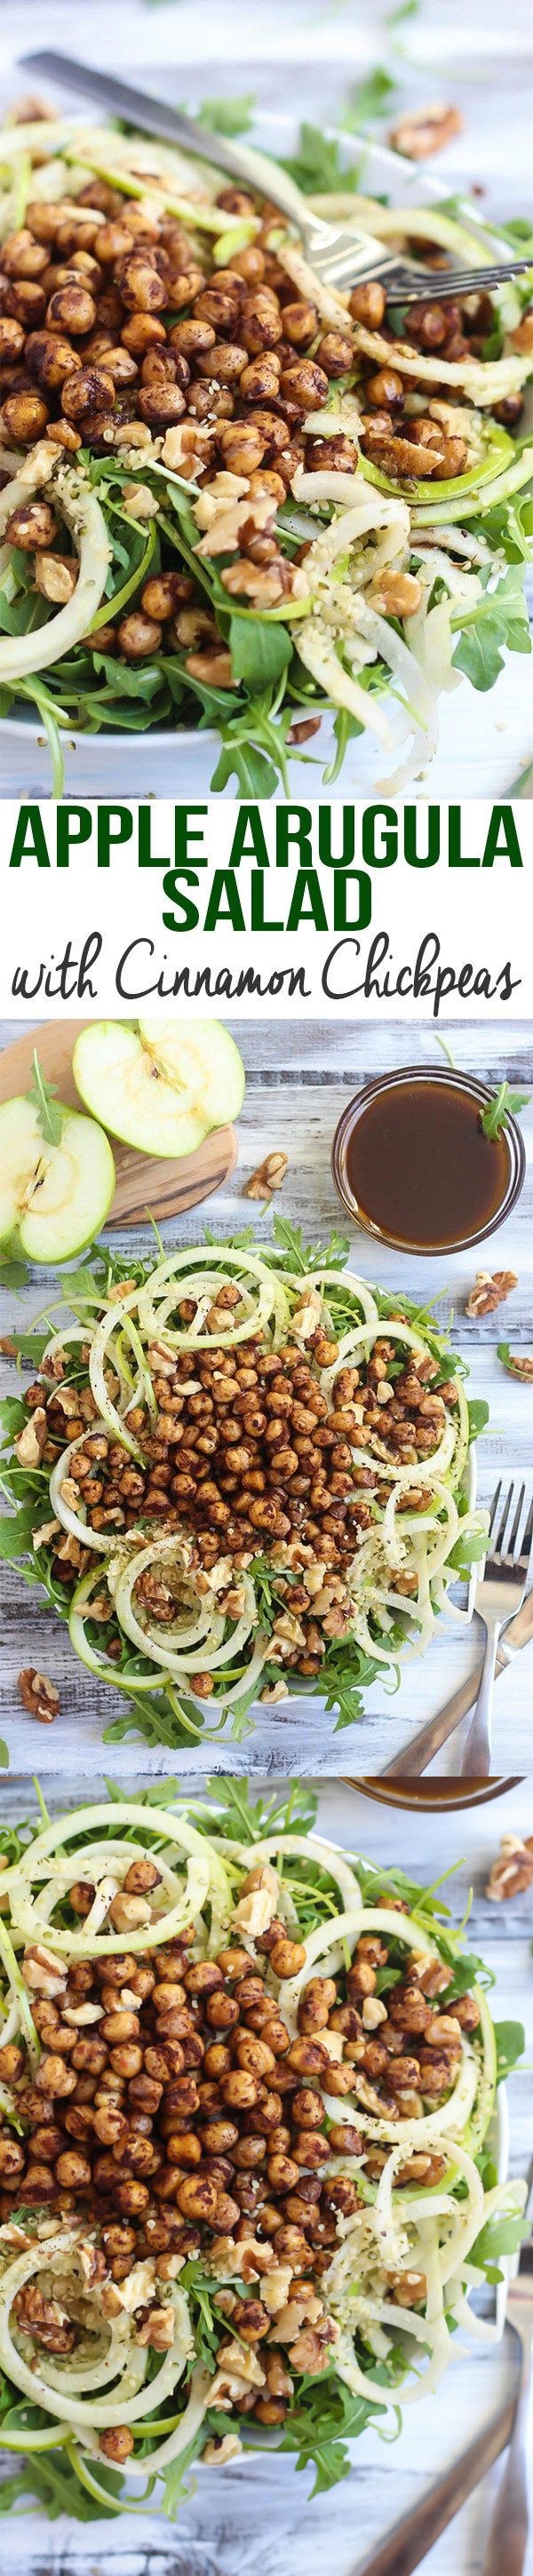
246 2182
234 496
240 1472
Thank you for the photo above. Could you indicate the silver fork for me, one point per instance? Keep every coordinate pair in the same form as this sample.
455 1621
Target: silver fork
341 254
499 1593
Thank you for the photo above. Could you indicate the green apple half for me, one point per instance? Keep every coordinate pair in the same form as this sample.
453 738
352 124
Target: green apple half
156 1085
53 1198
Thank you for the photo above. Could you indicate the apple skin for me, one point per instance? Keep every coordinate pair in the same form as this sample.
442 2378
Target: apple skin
14 1243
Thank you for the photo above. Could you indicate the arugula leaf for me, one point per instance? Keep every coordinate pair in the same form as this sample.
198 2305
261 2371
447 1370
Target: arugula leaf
49 1110
468 1970
317 166
259 652
4 1754
506 1103
16 1534
254 1818
13 1417
478 1416
518 231
301 1256
50 2477
406 9
508 526
370 99
510 2044
14 1275
323 2417
227 115
498 622
503 2234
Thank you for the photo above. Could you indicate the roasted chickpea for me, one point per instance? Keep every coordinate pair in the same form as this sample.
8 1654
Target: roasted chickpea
72 309
223 364
367 304
287 1958
127 2059
25 302
335 354
117 2444
139 637
260 380
11 340
142 290
31 526
88 391
161 403
12 2159
24 416
305 384
73 2171
143 332
385 390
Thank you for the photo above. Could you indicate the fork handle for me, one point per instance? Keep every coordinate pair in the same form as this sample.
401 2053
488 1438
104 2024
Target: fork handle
476 1757
507 2542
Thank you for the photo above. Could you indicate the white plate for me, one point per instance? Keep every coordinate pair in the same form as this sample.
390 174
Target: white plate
484 742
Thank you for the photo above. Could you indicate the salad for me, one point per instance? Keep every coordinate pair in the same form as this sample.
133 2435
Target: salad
240 1472
246 2183
236 497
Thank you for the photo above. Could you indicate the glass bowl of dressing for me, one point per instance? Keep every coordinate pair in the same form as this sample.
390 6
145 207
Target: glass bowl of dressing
413 1166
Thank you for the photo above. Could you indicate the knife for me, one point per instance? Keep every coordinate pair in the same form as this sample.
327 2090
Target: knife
417 1756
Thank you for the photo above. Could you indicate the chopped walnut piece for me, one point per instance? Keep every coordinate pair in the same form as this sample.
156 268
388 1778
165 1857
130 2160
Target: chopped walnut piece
490 1290
268 1177
280 1690
217 2454
38 1695
512 1872
31 1441
426 131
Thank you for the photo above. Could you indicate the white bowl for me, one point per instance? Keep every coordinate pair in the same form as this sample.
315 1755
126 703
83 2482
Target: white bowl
483 743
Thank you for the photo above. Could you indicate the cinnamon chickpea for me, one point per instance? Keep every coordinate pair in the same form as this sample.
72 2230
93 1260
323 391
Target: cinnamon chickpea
127 2060
24 417
73 309
287 1958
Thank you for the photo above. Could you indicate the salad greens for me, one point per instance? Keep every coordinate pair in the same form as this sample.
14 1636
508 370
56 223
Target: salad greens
325 2413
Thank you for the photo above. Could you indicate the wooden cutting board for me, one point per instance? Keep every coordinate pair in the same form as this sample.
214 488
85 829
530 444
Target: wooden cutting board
146 1183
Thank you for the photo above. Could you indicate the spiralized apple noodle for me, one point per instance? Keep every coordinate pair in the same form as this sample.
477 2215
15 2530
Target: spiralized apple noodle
276 1304
380 2351
368 519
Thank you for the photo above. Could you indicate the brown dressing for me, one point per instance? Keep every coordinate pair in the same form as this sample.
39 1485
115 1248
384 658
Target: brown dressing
420 1167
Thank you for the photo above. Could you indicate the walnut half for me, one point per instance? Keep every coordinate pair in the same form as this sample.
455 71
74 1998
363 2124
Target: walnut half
489 1291
268 1177
512 1872
38 1695
426 131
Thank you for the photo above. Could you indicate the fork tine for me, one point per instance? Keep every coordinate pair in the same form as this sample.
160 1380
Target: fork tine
494 1508
503 1522
511 1544
527 1538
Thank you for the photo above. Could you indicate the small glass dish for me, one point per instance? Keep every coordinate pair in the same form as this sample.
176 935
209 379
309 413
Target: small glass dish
385 1089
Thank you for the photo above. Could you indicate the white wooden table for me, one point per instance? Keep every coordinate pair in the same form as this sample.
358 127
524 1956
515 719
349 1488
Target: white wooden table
256 2520
299 1073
